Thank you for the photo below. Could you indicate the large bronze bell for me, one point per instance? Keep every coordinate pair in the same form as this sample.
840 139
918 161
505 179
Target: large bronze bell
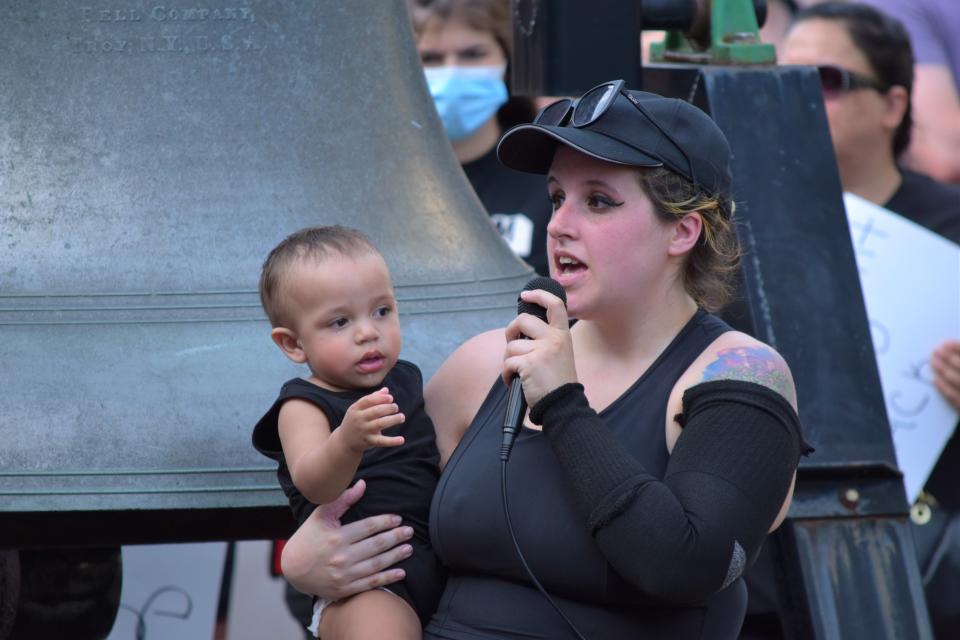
151 154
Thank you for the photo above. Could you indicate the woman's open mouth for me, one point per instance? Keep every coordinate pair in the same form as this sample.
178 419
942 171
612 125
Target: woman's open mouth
567 265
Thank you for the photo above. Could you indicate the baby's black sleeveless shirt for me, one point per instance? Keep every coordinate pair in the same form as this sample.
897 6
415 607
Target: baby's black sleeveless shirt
488 595
399 480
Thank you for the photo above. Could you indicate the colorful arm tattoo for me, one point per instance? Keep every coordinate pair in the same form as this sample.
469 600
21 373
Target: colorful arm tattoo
752 364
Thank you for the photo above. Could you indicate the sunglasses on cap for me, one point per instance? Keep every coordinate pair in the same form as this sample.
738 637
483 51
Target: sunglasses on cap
836 81
589 108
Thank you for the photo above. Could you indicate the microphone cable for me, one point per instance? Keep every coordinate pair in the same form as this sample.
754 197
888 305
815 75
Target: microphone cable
513 423
523 560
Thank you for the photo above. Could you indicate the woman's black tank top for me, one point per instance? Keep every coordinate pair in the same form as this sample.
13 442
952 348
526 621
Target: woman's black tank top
488 595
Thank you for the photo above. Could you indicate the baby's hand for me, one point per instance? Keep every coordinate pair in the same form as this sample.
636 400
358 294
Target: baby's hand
367 417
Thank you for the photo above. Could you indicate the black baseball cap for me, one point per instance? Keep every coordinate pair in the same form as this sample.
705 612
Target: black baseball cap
638 129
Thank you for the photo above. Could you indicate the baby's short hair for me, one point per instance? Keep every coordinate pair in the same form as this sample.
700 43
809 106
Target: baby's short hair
312 243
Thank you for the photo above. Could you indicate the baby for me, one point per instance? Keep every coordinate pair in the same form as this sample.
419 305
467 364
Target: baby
328 295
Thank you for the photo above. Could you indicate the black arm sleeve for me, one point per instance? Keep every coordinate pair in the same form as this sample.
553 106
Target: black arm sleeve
692 534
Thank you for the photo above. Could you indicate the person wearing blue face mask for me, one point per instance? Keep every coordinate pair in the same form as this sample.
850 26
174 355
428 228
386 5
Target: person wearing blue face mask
466 97
464 46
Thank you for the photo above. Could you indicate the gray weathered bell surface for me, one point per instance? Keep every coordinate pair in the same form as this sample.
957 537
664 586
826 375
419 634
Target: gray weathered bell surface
151 153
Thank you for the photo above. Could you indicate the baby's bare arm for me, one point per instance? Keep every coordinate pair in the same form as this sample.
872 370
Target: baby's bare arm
323 462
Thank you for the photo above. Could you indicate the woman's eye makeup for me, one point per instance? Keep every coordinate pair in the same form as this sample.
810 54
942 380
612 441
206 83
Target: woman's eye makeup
600 201
556 199
593 201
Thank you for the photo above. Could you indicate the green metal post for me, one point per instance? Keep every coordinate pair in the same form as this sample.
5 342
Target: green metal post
734 39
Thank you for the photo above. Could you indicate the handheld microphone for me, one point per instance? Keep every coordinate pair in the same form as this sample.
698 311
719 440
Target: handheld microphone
516 409
516 402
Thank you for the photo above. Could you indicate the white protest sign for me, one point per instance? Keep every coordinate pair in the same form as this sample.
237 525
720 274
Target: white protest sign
910 278
170 591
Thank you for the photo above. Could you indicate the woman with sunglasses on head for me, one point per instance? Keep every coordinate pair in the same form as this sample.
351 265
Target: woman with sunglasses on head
464 47
660 447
